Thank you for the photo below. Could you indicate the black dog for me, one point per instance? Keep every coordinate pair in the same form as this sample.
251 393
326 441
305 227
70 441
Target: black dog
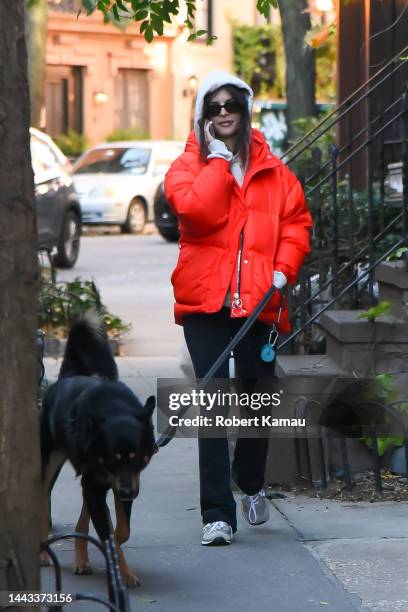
100 426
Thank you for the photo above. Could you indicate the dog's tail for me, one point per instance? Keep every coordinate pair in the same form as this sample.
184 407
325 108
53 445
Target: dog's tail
87 352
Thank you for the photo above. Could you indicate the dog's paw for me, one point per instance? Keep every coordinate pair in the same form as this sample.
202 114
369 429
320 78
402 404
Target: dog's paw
82 569
44 559
130 579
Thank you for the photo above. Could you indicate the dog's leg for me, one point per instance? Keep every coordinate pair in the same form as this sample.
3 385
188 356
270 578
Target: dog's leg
122 532
82 563
95 499
55 462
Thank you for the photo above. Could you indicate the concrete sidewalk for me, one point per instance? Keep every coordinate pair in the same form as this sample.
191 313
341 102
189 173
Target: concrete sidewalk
312 555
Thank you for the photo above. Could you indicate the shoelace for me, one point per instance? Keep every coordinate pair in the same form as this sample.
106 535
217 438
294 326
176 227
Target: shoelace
210 527
253 500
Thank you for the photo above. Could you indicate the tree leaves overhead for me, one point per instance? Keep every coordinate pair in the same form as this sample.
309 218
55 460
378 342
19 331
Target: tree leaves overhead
154 14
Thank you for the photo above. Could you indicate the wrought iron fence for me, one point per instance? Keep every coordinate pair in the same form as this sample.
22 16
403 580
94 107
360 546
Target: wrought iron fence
344 163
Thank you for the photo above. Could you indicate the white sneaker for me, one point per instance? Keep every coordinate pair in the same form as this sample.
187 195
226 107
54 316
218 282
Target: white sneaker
217 534
255 508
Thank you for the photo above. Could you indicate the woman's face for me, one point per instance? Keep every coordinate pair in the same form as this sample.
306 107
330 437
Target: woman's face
226 124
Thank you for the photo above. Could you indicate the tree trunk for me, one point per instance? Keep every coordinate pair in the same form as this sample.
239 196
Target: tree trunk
19 449
300 62
36 32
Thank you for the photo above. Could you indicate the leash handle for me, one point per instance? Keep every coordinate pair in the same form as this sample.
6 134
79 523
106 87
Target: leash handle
169 432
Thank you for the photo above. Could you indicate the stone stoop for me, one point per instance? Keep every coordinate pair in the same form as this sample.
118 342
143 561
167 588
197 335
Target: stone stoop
355 348
366 348
392 277
303 371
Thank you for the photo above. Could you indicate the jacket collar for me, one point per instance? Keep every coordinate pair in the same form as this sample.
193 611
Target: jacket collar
260 156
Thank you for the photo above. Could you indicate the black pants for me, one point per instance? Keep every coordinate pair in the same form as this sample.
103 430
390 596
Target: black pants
206 336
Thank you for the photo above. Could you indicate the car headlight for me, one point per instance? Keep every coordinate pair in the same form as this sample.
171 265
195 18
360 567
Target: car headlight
103 192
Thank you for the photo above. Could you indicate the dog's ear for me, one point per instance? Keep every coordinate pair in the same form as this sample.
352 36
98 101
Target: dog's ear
149 407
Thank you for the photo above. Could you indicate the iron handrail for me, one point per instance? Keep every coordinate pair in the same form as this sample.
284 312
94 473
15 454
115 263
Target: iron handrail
365 273
356 151
346 264
354 138
346 102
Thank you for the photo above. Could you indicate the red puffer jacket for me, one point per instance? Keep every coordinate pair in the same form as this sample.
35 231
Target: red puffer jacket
269 209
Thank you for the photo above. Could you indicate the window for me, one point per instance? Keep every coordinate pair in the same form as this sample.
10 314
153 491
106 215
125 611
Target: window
114 160
44 162
132 100
63 99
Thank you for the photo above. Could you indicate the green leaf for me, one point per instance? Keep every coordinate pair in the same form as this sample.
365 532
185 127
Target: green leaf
384 443
191 8
192 36
155 7
264 6
122 6
143 26
149 34
157 25
375 311
210 40
142 14
89 6
397 254
201 32
138 5
115 12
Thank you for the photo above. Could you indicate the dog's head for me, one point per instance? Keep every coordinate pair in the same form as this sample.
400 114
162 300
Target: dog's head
119 444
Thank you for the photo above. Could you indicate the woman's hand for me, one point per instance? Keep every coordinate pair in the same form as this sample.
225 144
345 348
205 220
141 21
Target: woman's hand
209 131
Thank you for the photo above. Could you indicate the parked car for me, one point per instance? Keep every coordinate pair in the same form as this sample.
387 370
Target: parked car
164 218
117 181
57 203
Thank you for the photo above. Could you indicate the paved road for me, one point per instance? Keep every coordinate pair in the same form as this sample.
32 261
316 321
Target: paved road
133 275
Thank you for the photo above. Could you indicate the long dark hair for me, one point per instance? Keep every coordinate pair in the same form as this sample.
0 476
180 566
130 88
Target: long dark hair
243 136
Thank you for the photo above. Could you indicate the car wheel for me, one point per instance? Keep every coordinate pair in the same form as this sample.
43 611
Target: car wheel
68 245
169 235
136 217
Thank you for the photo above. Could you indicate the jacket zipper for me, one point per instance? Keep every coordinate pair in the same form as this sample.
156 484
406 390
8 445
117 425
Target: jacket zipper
236 305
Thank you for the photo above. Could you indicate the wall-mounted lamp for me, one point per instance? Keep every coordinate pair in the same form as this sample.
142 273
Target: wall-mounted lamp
325 6
191 89
100 97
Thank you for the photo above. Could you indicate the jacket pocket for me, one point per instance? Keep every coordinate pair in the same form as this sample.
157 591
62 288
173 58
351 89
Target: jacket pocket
192 276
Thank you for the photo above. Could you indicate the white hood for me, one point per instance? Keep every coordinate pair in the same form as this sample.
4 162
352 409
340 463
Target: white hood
214 80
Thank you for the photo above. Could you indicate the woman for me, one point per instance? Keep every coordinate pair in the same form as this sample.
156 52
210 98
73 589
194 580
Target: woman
244 225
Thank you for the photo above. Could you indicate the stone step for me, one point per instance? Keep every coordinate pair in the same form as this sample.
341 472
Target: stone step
393 273
307 366
398 299
346 327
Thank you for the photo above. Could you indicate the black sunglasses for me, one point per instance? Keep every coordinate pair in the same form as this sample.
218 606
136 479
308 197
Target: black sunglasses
231 106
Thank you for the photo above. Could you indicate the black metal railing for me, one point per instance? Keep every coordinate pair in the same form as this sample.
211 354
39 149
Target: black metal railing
118 598
378 411
343 163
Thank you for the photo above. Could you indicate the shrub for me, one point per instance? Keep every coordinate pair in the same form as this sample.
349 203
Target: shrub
133 133
72 143
61 303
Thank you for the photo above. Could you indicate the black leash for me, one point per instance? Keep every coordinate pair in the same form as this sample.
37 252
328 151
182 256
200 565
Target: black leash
169 432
